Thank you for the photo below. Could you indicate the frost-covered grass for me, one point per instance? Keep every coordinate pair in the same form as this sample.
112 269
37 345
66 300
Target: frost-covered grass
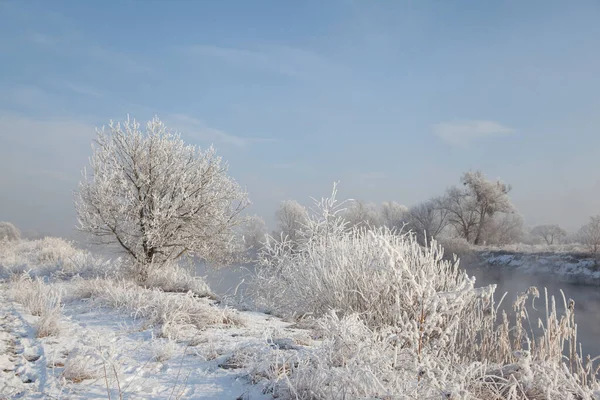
163 349
174 278
50 256
354 361
106 353
41 300
81 364
176 315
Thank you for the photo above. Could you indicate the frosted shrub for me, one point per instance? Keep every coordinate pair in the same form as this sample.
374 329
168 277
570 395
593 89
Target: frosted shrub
396 320
386 278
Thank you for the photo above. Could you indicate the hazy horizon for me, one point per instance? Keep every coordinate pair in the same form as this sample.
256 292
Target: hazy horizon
395 100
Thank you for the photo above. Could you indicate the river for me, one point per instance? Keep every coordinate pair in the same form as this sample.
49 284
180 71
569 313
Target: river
513 282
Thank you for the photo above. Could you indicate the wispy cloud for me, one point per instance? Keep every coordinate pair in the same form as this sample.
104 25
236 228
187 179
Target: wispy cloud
117 59
56 32
463 133
193 127
76 87
283 60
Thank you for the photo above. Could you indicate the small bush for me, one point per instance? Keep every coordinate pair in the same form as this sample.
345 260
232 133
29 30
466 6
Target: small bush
82 364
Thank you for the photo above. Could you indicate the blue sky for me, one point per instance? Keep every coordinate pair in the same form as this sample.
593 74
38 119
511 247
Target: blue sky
393 99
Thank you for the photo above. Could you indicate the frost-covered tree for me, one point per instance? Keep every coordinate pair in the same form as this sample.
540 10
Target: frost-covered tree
393 215
429 217
589 235
291 219
254 231
503 229
549 233
362 215
9 232
158 198
470 207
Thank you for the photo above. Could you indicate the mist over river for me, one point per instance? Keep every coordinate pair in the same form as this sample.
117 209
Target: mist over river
513 282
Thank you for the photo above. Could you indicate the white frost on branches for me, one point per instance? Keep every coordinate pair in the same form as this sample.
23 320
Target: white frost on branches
9 232
158 198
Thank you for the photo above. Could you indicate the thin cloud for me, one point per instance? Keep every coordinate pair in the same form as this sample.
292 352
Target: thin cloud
463 133
193 127
56 32
79 88
117 59
283 60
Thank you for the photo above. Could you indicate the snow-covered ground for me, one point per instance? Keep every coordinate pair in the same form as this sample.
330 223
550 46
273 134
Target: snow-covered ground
566 267
100 352
73 327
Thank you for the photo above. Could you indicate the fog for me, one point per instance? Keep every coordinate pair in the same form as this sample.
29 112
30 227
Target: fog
513 282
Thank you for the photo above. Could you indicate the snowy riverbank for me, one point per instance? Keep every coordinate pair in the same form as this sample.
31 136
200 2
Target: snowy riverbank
567 267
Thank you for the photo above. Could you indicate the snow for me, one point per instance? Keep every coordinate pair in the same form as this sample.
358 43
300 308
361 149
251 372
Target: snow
567 267
94 339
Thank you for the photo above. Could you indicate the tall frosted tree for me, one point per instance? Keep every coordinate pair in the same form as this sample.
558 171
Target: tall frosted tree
393 215
428 219
158 198
549 233
589 235
291 219
473 206
362 215
9 232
